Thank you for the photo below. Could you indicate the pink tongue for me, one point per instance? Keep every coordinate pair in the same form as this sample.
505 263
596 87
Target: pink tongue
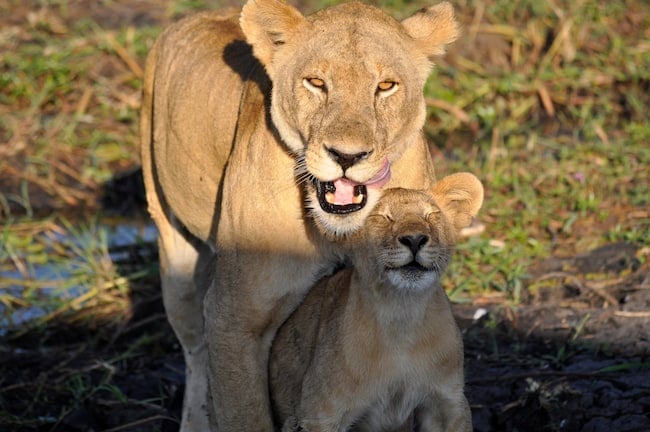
344 192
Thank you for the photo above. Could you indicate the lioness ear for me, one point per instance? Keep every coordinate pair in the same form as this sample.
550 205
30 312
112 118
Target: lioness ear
433 28
269 24
460 196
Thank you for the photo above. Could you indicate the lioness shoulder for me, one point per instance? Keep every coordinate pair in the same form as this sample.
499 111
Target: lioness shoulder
376 345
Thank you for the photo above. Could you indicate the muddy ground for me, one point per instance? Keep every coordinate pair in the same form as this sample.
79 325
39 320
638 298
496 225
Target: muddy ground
573 357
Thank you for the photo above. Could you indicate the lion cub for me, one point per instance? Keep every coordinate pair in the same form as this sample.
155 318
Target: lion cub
375 347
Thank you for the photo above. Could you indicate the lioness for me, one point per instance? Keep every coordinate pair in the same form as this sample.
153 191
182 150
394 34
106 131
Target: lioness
255 127
374 343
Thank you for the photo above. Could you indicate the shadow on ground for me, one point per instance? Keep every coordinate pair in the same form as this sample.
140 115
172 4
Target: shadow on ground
573 357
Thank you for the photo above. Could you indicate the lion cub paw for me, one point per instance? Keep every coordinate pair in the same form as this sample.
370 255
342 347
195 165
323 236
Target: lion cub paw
292 424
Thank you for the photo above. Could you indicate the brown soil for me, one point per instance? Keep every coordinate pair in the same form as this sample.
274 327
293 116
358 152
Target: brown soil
574 356
568 362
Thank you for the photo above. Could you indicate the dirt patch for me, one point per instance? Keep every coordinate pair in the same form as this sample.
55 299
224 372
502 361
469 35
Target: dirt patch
574 357
568 359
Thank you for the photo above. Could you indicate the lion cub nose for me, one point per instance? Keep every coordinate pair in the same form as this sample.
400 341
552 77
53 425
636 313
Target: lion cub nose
414 242
346 160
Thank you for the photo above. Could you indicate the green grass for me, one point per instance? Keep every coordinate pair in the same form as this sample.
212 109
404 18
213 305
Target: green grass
550 113
558 134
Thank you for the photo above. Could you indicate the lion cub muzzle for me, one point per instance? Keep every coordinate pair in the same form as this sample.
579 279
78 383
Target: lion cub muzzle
417 261
412 239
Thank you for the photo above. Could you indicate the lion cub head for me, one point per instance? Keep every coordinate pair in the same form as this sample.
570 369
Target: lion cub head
409 238
347 95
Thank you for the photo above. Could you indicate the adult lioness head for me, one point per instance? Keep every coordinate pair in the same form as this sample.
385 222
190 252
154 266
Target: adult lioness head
347 94
409 237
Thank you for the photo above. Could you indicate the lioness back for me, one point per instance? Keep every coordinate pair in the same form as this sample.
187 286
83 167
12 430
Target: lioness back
204 71
376 343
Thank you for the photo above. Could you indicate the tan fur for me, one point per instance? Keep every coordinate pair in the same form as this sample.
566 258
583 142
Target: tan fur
376 345
233 139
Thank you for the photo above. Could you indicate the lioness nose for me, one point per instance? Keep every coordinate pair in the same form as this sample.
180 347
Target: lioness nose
414 242
346 160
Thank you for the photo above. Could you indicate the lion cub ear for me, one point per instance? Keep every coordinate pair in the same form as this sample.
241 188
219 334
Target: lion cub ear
460 197
433 28
267 25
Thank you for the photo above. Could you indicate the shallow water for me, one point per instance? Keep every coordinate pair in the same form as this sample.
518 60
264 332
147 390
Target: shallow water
48 281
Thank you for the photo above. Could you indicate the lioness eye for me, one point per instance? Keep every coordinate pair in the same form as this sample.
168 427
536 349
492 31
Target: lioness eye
386 88
314 83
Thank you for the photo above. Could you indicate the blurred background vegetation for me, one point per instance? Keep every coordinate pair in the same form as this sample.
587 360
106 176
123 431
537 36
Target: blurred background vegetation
545 101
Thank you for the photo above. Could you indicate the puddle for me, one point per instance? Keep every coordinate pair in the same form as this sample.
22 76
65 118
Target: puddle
66 258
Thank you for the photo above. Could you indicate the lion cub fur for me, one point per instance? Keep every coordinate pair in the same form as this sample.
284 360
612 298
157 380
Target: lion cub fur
375 346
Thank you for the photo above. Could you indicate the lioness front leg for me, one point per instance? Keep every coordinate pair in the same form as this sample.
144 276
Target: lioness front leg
241 322
238 381
184 274
444 413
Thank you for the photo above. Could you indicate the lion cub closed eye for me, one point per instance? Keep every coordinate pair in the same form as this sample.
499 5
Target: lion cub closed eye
375 347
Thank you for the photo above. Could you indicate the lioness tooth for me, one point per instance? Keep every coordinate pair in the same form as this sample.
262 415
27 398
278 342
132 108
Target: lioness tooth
357 199
329 197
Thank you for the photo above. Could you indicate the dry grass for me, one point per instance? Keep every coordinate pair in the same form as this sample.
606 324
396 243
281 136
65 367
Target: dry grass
544 101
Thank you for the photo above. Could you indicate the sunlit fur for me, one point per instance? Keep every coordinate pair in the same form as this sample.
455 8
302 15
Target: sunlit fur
225 119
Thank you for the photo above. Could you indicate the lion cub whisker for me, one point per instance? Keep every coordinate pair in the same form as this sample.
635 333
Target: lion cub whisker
375 345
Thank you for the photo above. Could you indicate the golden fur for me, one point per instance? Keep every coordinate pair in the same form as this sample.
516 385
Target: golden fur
248 119
375 346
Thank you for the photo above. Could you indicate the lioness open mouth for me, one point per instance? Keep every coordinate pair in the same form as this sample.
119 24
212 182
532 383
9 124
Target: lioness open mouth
343 196
327 198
